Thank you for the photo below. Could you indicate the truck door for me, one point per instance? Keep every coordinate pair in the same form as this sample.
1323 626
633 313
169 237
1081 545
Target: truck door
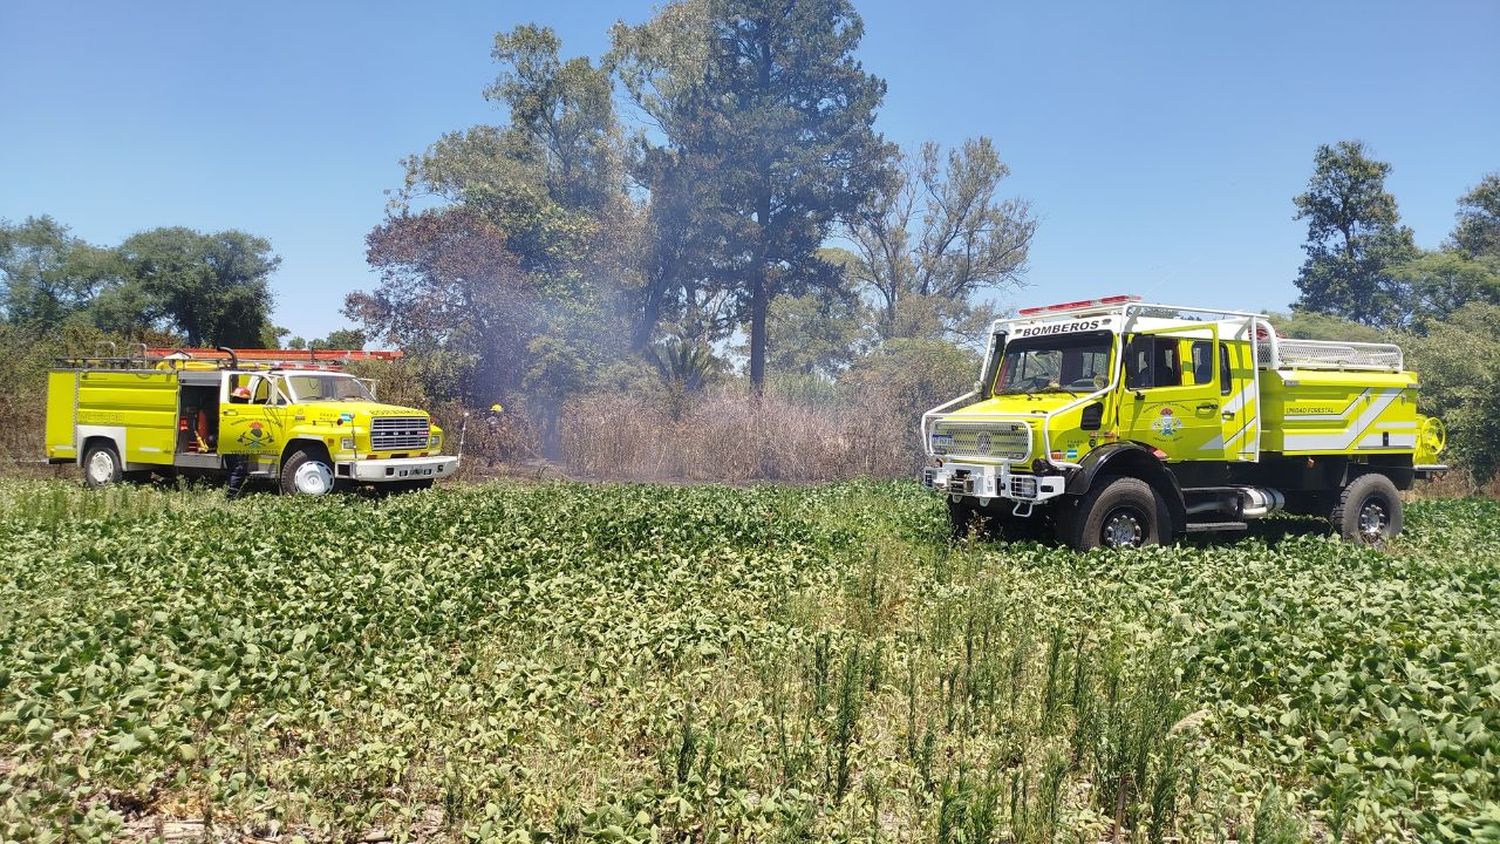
251 426
1238 386
1173 396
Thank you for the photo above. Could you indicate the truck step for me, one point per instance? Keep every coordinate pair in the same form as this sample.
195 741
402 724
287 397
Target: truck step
1215 527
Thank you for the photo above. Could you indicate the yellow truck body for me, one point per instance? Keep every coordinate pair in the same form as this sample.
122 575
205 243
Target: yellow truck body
310 430
1209 416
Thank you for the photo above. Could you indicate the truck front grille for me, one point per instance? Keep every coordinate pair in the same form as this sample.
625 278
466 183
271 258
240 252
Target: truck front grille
992 441
398 433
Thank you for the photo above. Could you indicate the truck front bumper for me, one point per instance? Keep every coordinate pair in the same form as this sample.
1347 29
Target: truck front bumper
398 469
987 482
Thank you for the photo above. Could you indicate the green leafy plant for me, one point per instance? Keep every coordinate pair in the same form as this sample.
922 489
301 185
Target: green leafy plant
565 662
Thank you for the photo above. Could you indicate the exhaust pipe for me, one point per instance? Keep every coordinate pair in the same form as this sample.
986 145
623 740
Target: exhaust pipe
234 359
1257 502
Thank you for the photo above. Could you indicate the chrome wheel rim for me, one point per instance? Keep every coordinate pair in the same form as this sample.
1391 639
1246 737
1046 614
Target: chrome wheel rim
312 478
1373 521
101 468
1122 529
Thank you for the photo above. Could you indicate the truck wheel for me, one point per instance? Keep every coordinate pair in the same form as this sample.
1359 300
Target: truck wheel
101 465
1117 513
1368 510
307 473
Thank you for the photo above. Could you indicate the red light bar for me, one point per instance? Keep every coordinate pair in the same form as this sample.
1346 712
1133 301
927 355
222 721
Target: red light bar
1073 306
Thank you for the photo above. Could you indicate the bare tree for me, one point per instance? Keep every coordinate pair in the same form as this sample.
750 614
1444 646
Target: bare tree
939 235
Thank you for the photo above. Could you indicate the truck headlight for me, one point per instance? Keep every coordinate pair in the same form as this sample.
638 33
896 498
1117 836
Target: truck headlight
432 440
347 444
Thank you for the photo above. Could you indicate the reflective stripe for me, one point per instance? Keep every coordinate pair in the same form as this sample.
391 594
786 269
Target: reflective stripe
1235 403
1238 400
1346 438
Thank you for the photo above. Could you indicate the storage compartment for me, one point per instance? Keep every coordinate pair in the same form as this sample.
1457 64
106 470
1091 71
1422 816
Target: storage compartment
198 420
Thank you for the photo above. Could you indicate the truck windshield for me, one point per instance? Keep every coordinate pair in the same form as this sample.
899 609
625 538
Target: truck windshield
1072 363
330 387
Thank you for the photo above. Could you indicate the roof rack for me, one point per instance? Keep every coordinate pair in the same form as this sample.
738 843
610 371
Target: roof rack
1292 353
221 358
281 356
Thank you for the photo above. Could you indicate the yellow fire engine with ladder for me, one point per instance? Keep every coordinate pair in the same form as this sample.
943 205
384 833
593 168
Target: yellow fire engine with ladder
298 418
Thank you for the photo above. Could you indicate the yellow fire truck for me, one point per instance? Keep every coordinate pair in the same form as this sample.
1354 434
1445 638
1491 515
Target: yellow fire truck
1113 422
302 422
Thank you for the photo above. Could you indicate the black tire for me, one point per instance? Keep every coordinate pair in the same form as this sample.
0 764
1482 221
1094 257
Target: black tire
1114 509
101 465
308 463
1368 511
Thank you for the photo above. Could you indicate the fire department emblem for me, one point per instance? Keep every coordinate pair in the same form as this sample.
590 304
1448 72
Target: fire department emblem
256 436
982 442
1167 425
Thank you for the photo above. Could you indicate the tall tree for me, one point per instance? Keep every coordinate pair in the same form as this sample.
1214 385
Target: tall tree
214 288
1478 231
938 234
563 113
767 104
547 176
526 251
678 239
1354 238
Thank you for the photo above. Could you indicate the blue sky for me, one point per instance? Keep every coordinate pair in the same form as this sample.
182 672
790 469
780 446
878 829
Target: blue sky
1160 143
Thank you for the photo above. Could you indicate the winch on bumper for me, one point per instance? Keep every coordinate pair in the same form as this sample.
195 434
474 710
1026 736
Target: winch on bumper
985 482
398 469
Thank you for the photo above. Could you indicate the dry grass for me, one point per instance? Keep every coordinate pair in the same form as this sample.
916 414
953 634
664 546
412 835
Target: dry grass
726 436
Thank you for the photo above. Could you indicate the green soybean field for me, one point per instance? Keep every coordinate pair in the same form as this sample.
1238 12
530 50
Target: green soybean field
563 662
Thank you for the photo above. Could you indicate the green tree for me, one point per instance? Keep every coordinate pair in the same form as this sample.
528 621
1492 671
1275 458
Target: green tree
505 255
1477 233
768 106
1354 238
49 276
1310 325
674 255
937 235
1460 365
213 288
547 177
818 333
343 338
563 114
1439 283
